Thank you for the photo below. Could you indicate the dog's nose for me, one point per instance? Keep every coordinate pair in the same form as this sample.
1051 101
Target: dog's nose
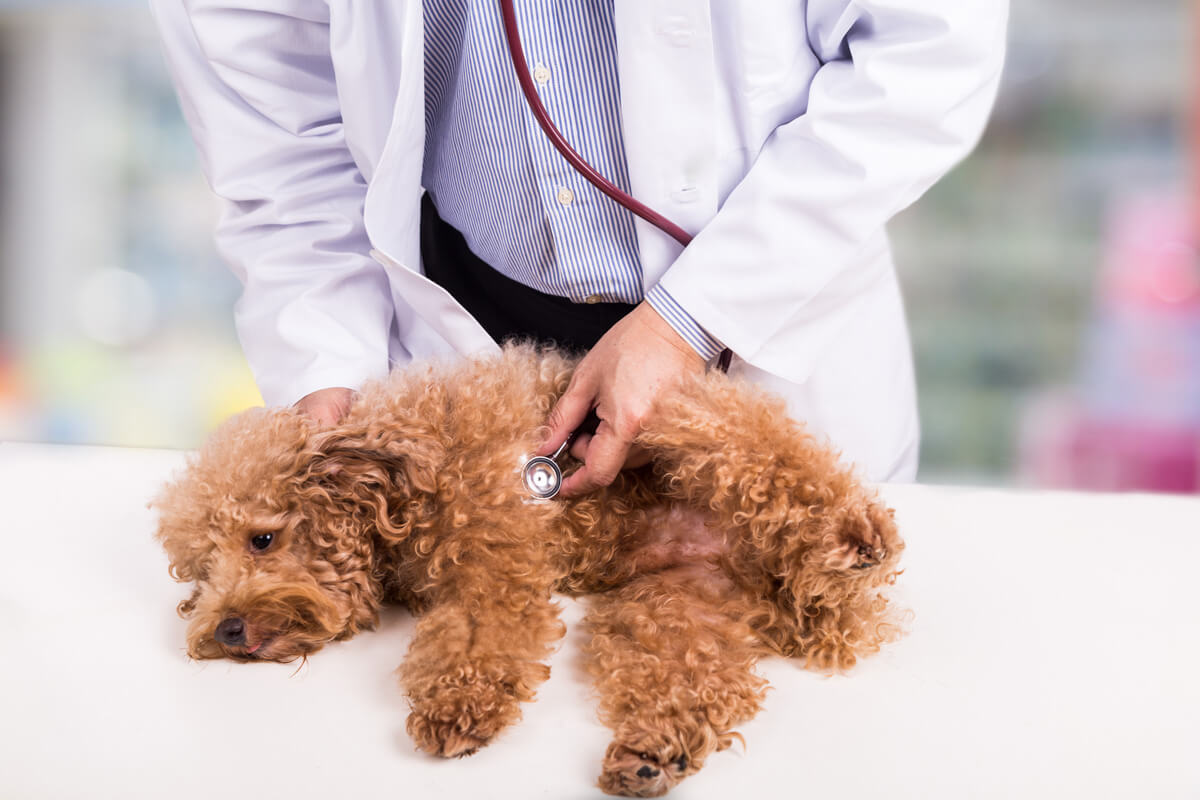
231 631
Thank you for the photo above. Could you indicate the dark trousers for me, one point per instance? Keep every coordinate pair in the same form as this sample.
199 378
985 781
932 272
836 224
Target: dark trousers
506 308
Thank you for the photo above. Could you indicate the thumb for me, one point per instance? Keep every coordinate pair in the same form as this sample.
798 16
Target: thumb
567 415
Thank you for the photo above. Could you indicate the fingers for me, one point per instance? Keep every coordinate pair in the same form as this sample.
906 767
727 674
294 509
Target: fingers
567 415
622 377
324 416
579 447
327 413
605 457
636 456
326 407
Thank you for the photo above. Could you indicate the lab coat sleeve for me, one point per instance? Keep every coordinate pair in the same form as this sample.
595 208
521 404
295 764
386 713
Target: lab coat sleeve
258 90
903 93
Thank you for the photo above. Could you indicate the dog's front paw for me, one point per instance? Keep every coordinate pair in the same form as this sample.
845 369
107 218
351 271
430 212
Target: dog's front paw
449 738
644 766
459 712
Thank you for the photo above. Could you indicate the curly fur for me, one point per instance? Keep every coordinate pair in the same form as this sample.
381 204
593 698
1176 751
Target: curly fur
744 537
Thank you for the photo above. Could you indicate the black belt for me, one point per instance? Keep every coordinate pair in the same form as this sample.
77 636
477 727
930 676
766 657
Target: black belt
508 309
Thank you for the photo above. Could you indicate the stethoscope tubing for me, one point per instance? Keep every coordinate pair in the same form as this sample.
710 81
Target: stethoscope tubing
564 147
525 79
543 476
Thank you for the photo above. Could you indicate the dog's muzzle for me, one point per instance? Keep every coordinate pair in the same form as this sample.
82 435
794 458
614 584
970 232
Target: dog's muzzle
231 632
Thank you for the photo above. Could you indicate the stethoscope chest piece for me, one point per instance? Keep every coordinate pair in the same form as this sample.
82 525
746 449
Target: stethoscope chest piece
542 477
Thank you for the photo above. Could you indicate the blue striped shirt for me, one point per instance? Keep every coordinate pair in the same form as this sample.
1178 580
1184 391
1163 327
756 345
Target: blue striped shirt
495 176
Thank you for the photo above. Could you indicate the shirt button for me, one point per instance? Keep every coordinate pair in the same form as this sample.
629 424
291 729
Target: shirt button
592 299
686 194
541 74
565 196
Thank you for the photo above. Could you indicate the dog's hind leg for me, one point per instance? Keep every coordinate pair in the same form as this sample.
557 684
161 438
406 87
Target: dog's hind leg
478 652
822 544
674 671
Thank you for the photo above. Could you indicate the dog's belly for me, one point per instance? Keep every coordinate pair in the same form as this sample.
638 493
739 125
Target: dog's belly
679 543
613 544
676 536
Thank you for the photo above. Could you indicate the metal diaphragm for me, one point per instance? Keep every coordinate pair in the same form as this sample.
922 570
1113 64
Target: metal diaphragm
542 477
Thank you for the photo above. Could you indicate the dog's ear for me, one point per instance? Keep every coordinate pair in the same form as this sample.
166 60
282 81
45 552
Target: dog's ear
238 461
386 475
182 531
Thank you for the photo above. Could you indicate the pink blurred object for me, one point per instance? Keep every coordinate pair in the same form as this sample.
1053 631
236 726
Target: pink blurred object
1134 420
12 389
1151 257
16 409
1060 448
1115 456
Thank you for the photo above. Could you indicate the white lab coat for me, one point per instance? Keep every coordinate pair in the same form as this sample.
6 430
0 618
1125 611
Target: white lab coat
782 133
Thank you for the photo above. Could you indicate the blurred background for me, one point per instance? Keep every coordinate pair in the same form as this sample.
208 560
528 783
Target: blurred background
1052 280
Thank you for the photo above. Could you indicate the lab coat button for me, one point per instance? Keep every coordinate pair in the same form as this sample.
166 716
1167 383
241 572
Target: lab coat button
541 74
565 196
677 30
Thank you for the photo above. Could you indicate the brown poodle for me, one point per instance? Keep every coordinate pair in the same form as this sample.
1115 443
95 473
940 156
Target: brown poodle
743 538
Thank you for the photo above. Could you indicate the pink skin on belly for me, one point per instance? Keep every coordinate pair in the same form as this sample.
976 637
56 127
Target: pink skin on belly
674 537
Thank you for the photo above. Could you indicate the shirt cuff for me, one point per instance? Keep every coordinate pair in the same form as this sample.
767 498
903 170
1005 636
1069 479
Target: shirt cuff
700 340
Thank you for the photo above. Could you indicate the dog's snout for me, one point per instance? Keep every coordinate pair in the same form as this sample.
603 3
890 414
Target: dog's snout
647 772
231 631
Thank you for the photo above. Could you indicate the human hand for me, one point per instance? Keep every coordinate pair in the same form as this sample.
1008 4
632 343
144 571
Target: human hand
326 407
637 361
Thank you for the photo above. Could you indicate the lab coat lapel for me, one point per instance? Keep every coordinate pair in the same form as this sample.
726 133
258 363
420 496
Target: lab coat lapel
668 107
392 208
430 321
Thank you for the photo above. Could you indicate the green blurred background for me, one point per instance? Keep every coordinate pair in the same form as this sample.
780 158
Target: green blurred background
1048 351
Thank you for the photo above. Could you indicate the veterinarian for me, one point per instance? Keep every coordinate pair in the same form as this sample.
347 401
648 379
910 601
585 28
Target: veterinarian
783 134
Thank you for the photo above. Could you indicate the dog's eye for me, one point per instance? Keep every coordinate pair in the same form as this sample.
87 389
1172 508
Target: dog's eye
262 541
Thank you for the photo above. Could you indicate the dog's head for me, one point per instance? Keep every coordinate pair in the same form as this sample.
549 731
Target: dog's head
277 523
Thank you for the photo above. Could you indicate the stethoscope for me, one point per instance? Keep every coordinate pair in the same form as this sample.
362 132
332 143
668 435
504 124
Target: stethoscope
541 474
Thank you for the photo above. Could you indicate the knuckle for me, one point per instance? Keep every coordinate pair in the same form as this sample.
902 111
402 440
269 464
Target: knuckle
603 480
604 474
565 407
627 427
